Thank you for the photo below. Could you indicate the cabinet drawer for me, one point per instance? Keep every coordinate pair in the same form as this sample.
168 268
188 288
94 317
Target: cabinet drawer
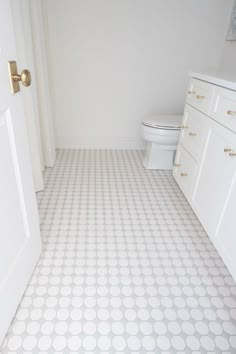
184 170
223 108
191 135
200 95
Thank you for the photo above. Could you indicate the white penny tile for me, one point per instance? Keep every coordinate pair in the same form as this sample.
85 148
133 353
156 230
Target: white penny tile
126 267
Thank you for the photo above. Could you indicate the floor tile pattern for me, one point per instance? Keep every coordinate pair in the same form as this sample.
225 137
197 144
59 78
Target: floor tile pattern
126 267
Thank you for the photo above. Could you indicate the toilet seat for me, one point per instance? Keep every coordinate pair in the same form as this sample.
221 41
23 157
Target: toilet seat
168 122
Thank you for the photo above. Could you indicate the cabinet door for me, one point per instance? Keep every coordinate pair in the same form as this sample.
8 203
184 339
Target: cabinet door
226 231
192 133
184 169
214 176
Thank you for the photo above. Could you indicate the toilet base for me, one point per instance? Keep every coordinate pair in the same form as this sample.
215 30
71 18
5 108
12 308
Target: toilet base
156 158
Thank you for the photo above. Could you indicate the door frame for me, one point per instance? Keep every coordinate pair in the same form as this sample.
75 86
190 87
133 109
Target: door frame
38 109
43 79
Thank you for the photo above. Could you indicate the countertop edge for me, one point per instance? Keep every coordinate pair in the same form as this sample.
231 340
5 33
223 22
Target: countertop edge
220 79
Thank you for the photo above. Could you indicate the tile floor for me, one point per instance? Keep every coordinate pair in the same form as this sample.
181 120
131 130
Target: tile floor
126 266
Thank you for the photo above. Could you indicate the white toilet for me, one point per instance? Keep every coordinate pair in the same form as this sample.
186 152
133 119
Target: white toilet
161 133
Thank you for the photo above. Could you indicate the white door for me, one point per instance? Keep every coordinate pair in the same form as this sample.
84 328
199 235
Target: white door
20 243
25 58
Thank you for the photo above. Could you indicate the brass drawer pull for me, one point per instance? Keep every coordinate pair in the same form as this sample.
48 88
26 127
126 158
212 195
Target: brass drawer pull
231 113
200 97
230 151
192 134
183 174
177 165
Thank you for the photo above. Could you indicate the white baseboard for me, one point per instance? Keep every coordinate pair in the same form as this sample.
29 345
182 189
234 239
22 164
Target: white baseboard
109 143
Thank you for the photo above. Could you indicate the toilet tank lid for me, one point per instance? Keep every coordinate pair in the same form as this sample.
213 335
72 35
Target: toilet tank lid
164 120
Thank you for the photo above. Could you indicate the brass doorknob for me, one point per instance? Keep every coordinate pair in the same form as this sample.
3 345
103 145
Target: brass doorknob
24 77
15 78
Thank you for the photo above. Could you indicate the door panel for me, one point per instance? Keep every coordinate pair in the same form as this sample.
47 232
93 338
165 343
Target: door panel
13 201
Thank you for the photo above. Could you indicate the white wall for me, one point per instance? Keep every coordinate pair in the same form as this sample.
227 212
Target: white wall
113 62
228 59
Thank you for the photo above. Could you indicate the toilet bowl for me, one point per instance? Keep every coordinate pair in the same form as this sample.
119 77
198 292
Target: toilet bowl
161 134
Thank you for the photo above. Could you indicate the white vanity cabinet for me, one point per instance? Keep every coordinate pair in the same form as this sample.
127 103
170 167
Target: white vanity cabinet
205 163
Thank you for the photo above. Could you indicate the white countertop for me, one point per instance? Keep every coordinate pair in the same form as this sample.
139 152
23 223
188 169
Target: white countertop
220 79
